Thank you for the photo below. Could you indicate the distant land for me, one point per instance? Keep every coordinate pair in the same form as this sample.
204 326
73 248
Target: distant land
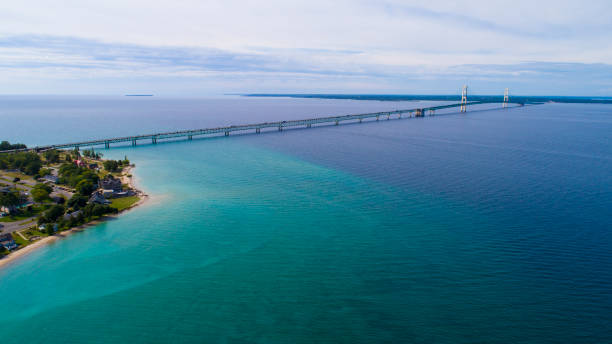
479 98
139 95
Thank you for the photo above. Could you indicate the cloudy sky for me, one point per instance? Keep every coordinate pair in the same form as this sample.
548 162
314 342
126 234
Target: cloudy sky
212 47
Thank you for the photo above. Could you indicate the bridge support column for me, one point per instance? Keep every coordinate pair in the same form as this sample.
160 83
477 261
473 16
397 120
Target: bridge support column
337 122
280 128
377 117
190 137
399 116
106 144
76 148
257 130
432 112
308 125
133 142
388 116
227 133
361 119
154 140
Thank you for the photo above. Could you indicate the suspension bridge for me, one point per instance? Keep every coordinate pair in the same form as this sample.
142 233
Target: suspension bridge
278 125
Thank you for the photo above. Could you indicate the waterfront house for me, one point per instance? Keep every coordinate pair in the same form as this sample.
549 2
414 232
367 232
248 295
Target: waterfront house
98 198
71 215
111 184
7 241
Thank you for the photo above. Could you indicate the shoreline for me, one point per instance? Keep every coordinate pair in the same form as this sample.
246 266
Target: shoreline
15 255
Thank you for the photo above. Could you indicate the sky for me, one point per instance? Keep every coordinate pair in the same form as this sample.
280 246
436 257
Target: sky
210 47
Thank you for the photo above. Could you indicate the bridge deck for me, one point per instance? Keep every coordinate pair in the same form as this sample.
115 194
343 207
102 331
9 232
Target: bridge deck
417 112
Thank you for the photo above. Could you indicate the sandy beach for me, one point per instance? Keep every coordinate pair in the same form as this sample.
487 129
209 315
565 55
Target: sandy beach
15 255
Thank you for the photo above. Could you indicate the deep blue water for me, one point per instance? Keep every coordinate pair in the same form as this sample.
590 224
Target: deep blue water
489 227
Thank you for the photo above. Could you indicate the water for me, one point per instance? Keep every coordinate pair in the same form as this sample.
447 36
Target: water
488 227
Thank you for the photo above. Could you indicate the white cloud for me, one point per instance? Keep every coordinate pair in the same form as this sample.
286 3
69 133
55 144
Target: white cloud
365 39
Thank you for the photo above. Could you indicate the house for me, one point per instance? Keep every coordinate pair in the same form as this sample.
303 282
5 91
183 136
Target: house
98 198
7 241
80 163
111 184
93 166
71 215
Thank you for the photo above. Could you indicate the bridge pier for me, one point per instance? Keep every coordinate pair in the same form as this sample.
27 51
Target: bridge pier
388 117
377 117
133 142
227 133
309 125
399 116
432 112
106 144
280 128
361 119
154 140
190 137
257 130
337 122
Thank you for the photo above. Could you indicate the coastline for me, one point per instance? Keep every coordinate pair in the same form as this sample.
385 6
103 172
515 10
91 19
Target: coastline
15 255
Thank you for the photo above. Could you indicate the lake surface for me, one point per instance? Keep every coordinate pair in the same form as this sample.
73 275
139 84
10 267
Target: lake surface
488 227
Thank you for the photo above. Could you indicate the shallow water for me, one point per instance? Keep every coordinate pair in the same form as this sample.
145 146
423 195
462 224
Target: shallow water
488 227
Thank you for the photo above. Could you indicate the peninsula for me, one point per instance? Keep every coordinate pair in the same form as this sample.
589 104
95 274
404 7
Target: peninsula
48 195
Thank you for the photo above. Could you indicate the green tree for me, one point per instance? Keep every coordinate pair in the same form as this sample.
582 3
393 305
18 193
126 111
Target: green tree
52 156
85 187
40 192
5 145
12 199
111 165
43 172
77 201
53 213
32 168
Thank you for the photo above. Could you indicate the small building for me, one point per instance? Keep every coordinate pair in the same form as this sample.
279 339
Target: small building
93 166
71 215
111 184
7 241
98 198
79 163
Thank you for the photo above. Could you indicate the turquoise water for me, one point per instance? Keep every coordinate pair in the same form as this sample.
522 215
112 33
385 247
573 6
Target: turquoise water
489 227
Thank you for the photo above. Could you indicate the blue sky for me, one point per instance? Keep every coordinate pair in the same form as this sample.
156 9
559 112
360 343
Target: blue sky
216 47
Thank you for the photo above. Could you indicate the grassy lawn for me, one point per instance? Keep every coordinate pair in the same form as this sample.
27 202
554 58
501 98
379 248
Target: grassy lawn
19 240
19 175
124 202
13 218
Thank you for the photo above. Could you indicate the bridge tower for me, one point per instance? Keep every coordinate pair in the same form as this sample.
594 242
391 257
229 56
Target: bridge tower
506 97
463 107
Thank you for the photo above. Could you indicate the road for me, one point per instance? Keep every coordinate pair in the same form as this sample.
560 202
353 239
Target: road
11 227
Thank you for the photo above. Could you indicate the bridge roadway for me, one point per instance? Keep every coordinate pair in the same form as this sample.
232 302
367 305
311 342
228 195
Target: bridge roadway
189 134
